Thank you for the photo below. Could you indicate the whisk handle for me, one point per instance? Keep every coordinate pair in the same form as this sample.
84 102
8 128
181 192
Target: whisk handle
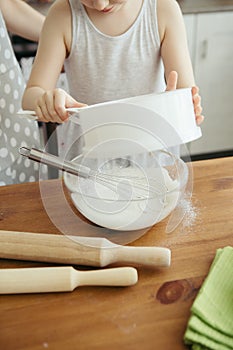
54 161
146 256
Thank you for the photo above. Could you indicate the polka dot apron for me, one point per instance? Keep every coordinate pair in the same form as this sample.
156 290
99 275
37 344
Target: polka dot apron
15 131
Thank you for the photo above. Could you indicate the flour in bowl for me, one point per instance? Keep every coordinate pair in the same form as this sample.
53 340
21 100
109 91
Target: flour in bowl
114 207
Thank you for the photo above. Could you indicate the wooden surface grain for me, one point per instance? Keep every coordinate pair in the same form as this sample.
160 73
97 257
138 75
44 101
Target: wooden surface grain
153 314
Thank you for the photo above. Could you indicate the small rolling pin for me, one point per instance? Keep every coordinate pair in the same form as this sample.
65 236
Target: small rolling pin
73 250
62 279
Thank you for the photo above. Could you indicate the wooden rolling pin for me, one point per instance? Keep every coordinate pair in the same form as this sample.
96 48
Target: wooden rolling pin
90 251
62 279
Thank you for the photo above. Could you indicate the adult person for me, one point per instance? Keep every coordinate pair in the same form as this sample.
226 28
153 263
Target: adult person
17 17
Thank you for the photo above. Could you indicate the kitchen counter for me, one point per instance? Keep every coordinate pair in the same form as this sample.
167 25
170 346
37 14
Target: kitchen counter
40 6
154 313
202 6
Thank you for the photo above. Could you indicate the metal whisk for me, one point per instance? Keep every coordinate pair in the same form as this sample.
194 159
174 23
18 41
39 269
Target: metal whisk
141 189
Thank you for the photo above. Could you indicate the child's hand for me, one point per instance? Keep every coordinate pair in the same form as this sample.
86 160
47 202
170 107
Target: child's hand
197 105
172 84
51 106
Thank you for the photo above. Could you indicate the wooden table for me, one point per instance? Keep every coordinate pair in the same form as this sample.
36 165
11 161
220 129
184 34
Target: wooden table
153 314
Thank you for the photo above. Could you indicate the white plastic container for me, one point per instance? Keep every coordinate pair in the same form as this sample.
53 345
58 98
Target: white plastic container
138 124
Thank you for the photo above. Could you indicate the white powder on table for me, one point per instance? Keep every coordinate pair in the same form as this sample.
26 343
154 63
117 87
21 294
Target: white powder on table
191 214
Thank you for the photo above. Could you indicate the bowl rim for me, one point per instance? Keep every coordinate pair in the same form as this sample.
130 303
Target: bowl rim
180 186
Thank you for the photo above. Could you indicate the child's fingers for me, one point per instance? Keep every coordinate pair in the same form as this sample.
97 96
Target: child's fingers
195 93
71 102
196 100
198 110
197 105
199 119
195 90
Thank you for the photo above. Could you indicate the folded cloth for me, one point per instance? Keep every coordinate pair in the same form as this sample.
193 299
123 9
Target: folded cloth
211 323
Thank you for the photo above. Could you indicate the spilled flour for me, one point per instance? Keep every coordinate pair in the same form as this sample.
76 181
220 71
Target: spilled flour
191 212
186 215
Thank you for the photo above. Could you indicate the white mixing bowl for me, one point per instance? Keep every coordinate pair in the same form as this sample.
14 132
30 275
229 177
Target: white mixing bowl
149 188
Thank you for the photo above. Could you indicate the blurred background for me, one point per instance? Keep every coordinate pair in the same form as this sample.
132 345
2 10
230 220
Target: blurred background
209 25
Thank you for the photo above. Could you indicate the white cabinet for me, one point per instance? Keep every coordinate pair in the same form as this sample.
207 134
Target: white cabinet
210 38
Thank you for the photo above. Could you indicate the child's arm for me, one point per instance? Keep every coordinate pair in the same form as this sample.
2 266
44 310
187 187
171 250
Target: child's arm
41 95
174 50
22 19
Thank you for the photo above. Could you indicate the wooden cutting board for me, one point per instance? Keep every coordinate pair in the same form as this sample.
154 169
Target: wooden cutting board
152 314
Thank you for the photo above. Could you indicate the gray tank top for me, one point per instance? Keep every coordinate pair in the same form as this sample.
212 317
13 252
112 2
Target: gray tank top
103 68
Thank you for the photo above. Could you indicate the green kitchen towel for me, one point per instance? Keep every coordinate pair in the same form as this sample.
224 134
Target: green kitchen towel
211 323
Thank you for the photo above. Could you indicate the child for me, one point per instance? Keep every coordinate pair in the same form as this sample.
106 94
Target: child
110 50
21 19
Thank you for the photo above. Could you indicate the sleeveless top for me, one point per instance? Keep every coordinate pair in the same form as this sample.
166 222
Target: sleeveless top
103 68
14 131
